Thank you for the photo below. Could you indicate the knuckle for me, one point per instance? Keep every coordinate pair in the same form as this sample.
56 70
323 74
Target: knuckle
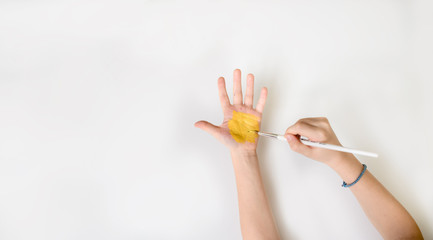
301 125
302 120
324 119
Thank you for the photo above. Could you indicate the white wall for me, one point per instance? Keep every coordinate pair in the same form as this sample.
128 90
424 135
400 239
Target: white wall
98 100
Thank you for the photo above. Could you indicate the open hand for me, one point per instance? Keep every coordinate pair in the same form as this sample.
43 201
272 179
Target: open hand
246 138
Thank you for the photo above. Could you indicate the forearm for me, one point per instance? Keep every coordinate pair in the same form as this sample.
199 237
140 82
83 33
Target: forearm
388 216
255 213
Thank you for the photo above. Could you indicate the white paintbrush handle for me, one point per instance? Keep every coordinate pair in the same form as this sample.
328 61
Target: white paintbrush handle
306 141
282 138
338 148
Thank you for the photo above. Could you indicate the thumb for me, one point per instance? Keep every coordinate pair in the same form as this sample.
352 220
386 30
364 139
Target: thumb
208 127
297 146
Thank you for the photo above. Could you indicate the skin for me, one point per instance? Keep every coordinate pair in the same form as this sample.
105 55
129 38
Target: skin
256 219
388 216
243 127
222 132
384 211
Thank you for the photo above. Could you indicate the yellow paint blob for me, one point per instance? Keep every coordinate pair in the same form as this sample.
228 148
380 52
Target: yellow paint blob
243 127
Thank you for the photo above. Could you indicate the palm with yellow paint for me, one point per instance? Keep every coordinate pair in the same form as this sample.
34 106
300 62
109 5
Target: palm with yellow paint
241 120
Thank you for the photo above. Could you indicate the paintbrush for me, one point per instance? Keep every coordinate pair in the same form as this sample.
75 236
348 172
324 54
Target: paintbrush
308 142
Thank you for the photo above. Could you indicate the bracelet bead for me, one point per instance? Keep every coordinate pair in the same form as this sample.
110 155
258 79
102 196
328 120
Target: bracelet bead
359 177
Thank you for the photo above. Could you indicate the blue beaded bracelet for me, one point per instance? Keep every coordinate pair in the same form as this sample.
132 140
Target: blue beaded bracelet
360 175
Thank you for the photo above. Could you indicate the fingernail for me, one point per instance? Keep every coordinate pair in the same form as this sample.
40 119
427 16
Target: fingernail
290 138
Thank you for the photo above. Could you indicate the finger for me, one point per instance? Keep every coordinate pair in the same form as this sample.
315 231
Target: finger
262 100
317 121
208 127
249 96
305 129
222 92
237 87
297 146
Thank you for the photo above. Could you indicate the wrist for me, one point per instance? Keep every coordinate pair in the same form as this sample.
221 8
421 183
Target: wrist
243 153
340 160
348 167
244 158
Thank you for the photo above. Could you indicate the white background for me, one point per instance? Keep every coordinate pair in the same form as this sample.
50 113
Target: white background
98 101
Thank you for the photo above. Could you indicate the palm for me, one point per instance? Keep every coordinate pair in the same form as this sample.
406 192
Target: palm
222 132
